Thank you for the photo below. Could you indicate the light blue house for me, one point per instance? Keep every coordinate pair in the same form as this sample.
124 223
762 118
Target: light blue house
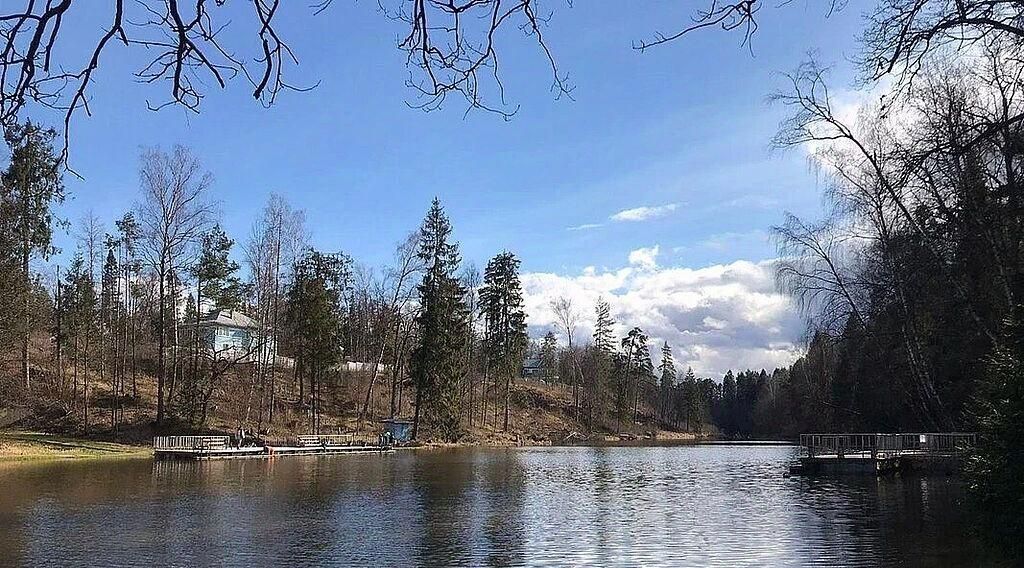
232 334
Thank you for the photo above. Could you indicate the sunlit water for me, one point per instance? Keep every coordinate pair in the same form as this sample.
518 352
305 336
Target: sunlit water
672 506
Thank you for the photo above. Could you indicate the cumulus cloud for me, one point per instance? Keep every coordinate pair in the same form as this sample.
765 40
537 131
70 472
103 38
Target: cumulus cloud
719 317
645 258
644 213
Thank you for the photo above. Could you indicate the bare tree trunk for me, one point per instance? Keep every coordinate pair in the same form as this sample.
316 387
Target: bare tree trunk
26 317
161 342
60 334
508 389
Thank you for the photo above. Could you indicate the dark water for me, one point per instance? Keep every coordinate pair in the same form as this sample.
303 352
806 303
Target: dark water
681 506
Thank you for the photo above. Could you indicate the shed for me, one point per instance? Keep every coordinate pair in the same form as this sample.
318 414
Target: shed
400 430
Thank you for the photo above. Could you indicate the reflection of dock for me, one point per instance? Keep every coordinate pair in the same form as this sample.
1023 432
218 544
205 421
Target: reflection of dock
879 454
214 447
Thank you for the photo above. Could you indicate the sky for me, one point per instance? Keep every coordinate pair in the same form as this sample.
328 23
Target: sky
654 187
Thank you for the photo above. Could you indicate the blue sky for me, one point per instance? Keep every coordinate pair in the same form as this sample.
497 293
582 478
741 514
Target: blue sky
685 125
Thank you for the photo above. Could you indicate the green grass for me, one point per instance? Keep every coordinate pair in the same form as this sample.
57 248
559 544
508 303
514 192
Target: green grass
16 445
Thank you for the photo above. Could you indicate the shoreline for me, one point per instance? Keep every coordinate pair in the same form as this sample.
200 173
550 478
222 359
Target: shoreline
25 446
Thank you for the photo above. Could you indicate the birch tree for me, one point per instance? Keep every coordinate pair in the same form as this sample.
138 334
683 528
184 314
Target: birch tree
173 214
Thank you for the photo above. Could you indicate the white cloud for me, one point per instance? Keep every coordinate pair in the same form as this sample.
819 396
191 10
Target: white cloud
719 317
645 258
727 241
644 213
584 227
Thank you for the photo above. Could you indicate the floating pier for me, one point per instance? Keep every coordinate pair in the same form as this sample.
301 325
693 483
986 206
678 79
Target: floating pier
215 447
880 454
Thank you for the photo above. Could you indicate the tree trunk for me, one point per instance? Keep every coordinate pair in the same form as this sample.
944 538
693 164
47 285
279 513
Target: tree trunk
416 415
26 318
508 390
161 343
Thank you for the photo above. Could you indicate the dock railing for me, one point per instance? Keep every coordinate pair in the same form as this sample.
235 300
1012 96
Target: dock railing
329 440
881 445
190 443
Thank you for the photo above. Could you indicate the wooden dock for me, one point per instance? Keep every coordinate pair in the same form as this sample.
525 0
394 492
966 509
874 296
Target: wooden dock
220 447
880 454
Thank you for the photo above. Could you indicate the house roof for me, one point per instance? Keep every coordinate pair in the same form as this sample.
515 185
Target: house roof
229 318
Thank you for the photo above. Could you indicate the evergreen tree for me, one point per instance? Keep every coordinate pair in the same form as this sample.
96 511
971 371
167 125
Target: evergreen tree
549 354
638 370
667 370
128 234
501 300
78 302
597 382
109 313
996 470
729 403
691 401
437 363
315 310
29 188
215 272
603 332
110 294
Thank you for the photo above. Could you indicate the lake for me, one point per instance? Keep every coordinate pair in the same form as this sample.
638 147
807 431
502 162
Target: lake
671 506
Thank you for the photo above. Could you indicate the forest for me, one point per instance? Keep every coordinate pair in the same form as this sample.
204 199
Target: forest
432 337
911 284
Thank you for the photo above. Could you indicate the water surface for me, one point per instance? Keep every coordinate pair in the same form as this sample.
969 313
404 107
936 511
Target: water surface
670 506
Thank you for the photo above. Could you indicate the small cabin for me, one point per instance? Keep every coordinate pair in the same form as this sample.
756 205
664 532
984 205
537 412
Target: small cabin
231 334
400 430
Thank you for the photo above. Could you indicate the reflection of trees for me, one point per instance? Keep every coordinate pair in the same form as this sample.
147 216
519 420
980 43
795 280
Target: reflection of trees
890 521
441 479
602 488
504 487
472 507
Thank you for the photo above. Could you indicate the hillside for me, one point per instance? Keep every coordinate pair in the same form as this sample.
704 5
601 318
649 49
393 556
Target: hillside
540 413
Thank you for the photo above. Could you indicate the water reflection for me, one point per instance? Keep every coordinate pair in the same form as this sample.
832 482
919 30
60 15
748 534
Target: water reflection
547 506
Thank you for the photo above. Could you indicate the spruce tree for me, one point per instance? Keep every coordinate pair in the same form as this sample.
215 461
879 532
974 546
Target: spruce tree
437 364
691 400
29 188
596 384
549 354
501 300
667 370
316 308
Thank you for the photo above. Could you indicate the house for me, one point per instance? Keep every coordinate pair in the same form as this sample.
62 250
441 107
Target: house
232 334
533 369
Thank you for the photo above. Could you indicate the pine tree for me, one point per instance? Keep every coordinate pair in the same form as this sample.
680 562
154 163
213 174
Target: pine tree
215 272
635 369
315 312
128 234
78 300
437 364
603 332
597 383
109 312
549 354
667 369
996 468
29 188
729 403
691 401
501 300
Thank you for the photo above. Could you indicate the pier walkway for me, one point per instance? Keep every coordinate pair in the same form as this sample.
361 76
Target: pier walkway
211 447
879 453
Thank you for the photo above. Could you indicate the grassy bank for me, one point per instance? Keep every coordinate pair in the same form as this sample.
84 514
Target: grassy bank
17 445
